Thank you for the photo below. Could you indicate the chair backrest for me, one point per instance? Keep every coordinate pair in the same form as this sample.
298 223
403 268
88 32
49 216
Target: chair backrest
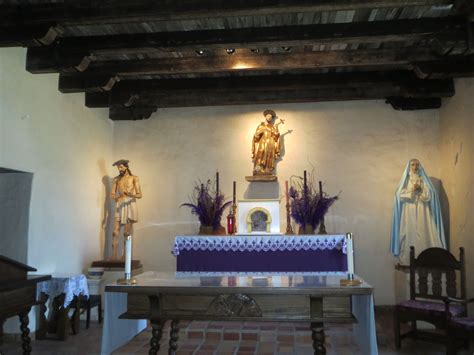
437 262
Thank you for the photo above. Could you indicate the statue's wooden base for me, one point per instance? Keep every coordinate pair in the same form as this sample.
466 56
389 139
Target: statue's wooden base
261 178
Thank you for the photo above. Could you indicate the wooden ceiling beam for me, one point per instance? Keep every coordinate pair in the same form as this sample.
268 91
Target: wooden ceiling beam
238 62
131 113
244 97
199 92
465 8
414 103
77 83
29 36
450 28
119 11
463 67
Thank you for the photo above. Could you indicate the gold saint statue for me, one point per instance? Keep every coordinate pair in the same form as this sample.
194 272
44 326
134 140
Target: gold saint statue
266 148
125 191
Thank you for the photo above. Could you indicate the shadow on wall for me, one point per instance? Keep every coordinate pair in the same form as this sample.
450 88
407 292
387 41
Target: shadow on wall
15 196
444 202
108 213
153 242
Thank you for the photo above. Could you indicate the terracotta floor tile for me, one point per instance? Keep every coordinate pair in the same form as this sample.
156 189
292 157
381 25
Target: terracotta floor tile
338 340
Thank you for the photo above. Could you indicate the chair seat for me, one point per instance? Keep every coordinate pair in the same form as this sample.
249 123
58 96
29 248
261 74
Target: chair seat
92 301
466 323
431 308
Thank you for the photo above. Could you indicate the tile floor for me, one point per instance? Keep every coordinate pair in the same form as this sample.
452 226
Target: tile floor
206 338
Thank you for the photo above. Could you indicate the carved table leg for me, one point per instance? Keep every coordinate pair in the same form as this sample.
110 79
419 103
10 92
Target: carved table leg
76 315
1 330
42 323
174 336
63 323
25 332
318 336
156 333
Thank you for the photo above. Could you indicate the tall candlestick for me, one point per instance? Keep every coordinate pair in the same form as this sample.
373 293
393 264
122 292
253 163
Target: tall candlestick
233 192
350 254
320 189
128 257
217 182
305 181
289 229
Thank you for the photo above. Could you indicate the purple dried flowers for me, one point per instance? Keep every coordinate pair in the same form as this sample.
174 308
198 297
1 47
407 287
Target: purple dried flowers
308 206
207 204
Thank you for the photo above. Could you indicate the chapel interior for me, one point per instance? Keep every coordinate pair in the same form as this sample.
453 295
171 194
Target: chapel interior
117 118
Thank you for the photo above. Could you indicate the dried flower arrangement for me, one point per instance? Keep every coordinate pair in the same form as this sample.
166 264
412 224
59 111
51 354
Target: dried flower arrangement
308 206
208 205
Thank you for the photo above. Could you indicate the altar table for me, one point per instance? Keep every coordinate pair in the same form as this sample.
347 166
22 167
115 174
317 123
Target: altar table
315 298
260 253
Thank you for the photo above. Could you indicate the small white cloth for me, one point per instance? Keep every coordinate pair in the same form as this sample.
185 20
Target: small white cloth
71 286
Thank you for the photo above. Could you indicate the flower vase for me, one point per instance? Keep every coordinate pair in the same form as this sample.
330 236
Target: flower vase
220 230
306 230
205 230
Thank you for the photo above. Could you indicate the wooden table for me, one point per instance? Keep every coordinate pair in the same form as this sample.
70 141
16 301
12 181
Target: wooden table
18 295
317 298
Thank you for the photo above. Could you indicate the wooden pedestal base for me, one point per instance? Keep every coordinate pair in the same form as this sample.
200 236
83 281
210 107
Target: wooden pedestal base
347 282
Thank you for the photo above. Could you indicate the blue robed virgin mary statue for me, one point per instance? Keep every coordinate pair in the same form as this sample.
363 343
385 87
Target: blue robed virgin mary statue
417 219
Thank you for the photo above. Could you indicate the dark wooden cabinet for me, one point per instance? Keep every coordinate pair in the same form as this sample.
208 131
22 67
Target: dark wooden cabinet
18 295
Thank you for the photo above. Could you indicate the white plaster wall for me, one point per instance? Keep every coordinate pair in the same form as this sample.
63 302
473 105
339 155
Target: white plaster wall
358 148
457 161
67 147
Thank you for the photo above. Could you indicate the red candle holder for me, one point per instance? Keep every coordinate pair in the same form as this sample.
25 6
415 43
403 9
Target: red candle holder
230 223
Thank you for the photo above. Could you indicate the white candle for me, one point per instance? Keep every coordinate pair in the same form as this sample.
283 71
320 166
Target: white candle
128 256
350 254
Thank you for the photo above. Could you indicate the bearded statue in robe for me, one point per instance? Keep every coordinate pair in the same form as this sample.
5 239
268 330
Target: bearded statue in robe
417 219
266 145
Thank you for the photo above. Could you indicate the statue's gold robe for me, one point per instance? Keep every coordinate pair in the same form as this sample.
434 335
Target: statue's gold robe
265 148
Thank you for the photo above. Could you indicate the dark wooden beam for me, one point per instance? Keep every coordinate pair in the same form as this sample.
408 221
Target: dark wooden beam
28 36
465 8
116 11
39 61
459 67
411 103
97 99
78 83
199 92
451 29
130 113
234 63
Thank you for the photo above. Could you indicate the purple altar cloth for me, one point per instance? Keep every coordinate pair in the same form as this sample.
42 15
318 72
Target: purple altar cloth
261 261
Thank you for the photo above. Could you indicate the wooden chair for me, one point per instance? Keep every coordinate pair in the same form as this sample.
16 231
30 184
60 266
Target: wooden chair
459 328
427 303
91 302
86 304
